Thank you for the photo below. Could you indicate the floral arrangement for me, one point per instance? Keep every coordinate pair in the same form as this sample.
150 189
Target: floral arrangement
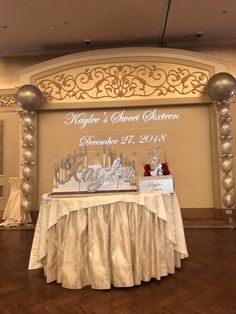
147 170
155 167
161 169
165 169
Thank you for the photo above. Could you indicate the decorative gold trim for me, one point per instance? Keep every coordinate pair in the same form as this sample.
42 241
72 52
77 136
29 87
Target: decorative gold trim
7 102
113 55
123 81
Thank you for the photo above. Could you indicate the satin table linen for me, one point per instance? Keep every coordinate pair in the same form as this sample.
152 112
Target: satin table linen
13 214
101 240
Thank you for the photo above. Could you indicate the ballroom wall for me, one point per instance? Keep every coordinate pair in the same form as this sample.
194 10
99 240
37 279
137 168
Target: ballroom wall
198 150
187 147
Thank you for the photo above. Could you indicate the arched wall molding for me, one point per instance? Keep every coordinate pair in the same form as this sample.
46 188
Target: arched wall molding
140 75
44 75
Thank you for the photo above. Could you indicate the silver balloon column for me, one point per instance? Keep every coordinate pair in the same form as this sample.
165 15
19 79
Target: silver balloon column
27 133
221 87
224 119
29 99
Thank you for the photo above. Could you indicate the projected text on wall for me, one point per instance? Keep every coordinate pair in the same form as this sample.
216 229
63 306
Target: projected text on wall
126 127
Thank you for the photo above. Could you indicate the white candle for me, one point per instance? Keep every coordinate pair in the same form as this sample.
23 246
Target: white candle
121 159
64 168
104 156
58 172
85 162
54 175
109 159
79 168
61 170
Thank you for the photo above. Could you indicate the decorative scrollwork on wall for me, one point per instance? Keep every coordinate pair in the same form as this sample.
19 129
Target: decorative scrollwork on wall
123 81
7 102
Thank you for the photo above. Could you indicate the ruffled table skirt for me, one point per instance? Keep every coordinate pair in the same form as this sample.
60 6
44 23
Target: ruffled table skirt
119 244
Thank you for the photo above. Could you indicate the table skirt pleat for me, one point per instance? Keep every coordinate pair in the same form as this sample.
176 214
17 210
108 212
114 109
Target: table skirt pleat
120 244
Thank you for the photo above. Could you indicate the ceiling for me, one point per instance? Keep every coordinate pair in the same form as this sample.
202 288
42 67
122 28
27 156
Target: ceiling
45 26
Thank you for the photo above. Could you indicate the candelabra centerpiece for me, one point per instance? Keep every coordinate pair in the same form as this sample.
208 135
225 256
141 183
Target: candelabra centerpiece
74 172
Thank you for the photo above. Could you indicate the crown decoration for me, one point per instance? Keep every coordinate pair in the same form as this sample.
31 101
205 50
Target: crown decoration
155 167
155 162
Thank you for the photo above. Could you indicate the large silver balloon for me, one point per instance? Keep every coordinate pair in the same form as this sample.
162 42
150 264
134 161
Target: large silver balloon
29 97
221 86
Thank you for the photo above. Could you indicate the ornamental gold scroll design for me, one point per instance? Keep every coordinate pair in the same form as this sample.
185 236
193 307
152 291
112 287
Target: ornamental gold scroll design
7 102
123 81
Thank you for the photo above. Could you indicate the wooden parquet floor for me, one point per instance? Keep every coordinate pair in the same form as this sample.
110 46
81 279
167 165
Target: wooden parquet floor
205 284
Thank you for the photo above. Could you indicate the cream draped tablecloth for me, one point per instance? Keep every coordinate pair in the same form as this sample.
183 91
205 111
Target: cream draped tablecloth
115 239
